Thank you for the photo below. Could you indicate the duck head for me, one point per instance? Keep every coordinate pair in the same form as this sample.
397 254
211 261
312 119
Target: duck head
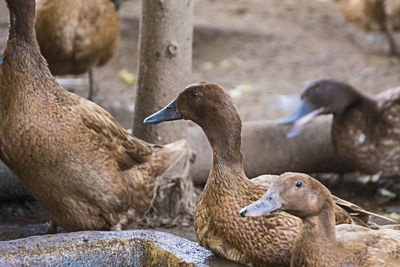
295 193
206 104
210 107
320 97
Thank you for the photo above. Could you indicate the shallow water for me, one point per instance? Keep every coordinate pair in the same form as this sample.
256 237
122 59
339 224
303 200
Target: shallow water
24 219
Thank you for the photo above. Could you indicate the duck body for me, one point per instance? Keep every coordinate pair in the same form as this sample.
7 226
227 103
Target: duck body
367 135
263 241
75 36
84 169
365 131
319 242
369 15
373 16
219 229
377 247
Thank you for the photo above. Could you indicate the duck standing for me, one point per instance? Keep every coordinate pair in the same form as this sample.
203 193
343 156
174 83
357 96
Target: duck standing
263 241
84 169
319 243
75 36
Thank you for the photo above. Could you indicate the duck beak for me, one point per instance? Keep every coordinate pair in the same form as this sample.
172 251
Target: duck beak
300 118
267 203
169 113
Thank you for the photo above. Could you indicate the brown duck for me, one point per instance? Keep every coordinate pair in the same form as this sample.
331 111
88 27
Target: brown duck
374 15
319 243
82 167
263 241
365 130
75 36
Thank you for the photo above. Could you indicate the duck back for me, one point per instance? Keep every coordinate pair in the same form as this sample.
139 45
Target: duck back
369 139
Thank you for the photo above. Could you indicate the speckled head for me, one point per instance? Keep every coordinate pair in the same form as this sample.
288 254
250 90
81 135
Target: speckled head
320 97
295 193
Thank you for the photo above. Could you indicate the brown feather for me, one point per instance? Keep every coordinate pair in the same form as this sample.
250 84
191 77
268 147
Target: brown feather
371 15
74 36
369 139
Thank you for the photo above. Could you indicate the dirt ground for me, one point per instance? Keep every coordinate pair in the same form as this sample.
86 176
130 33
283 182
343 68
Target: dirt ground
265 51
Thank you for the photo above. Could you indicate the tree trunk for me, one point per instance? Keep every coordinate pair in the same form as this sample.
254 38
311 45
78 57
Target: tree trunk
165 60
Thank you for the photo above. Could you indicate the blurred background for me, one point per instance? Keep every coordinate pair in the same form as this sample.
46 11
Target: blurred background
263 51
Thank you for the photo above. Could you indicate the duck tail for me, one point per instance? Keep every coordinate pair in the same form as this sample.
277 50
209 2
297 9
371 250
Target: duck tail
142 178
359 215
167 156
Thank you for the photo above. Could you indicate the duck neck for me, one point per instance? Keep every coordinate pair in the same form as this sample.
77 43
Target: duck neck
22 21
225 140
319 232
22 56
370 108
321 225
361 102
316 245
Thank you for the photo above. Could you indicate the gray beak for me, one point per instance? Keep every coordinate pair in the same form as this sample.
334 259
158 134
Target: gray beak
169 113
267 203
300 118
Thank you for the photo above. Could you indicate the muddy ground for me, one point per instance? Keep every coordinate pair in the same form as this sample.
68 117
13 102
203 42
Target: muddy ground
264 50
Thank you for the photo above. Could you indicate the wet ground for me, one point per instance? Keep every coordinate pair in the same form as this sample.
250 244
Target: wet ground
264 52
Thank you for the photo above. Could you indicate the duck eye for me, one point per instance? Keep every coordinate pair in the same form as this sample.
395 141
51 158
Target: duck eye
299 184
194 94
